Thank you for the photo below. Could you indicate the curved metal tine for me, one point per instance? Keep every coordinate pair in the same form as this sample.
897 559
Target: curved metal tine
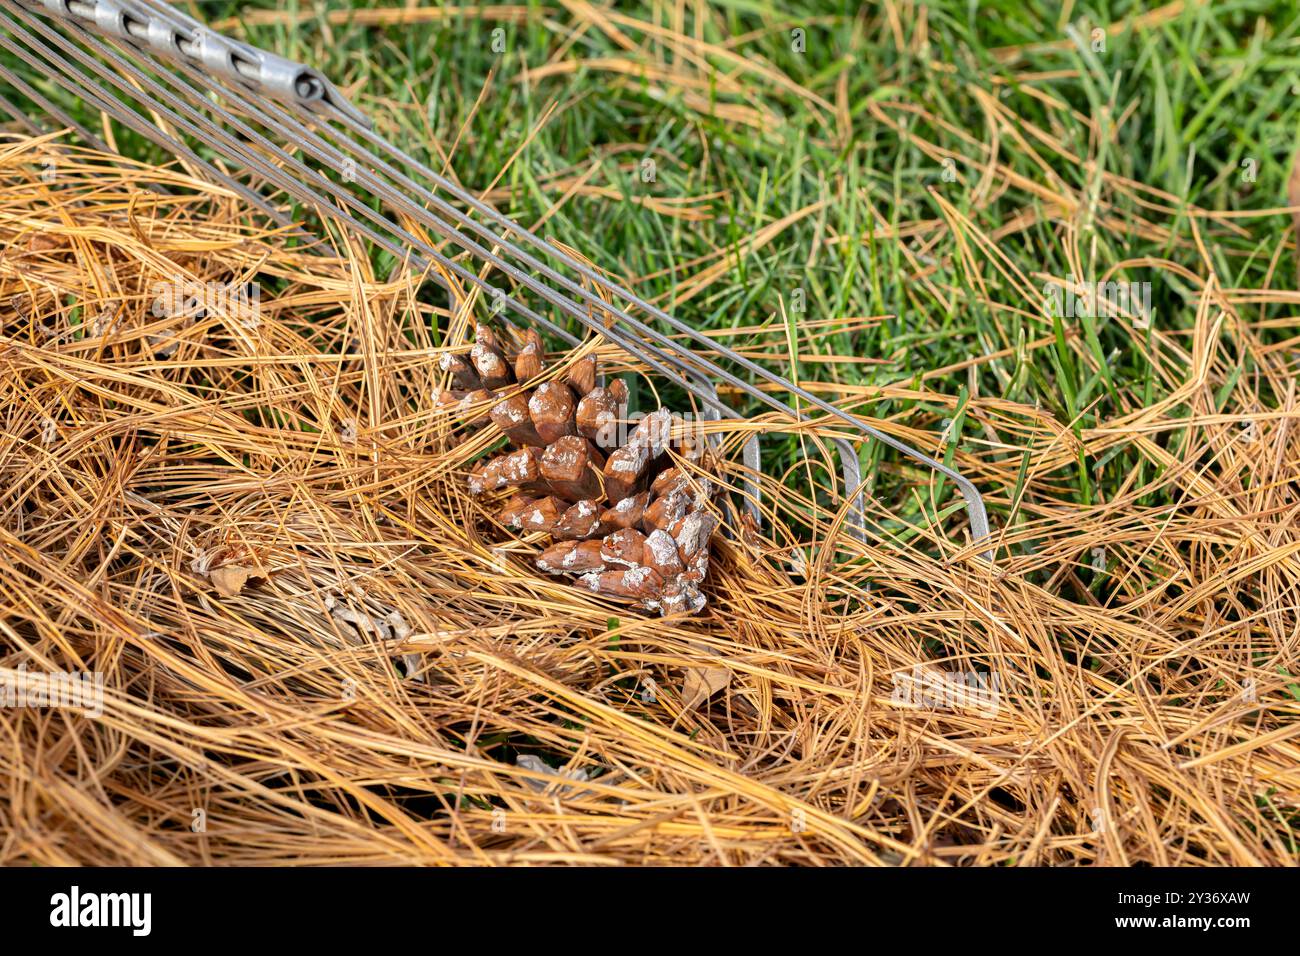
851 469
753 458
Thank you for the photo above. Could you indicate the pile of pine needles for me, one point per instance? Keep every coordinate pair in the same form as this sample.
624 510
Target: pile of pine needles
316 648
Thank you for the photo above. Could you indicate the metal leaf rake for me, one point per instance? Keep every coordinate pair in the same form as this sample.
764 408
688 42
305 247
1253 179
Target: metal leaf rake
199 94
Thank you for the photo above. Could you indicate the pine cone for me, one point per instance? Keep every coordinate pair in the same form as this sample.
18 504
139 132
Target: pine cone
625 523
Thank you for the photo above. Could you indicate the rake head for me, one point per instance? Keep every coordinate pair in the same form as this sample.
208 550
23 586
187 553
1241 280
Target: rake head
287 138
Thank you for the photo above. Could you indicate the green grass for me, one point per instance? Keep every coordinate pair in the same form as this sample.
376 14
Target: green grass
1182 105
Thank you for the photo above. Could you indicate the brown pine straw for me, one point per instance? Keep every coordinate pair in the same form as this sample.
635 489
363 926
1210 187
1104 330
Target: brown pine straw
1155 723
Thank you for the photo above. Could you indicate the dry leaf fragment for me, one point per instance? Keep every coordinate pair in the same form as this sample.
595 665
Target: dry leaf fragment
702 683
229 579
40 242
